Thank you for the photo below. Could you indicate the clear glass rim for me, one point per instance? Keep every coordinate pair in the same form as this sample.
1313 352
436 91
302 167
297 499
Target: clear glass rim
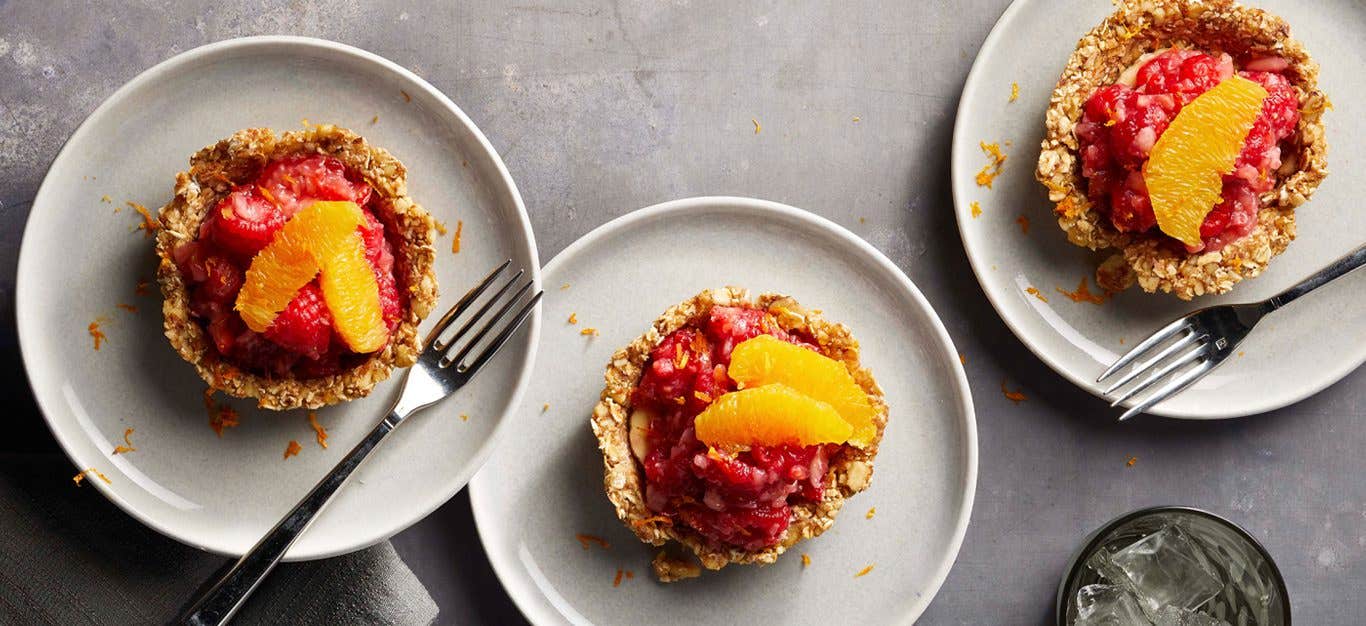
1093 541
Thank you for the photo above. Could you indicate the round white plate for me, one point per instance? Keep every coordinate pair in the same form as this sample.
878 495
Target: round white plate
80 259
544 484
1292 354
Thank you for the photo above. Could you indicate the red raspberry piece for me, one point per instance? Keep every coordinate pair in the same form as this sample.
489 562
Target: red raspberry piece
223 280
1131 210
297 181
244 222
305 326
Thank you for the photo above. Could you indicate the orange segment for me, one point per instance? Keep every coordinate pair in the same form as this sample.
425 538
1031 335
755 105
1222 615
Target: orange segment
771 415
766 359
1202 143
319 238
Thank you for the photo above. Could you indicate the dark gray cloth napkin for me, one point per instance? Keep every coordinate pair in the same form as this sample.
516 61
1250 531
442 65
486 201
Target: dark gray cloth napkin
68 556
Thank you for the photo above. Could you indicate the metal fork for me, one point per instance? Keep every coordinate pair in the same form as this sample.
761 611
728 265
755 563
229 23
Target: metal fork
437 374
1204 339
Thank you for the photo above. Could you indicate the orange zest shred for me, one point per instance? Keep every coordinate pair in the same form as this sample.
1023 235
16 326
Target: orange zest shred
757 127
654 519
630 574
95 332
374 120
589 332
587 541
107 200
545 407
318 431
406 97
680 356
1131 461
701 395
220 415
962 358
141 288
564 286
464 417
90 471
995 161
1014 396
265 193
127 443
806 560
1023 221
573 318
864 572
292 449
616 582
976 209
1083 294
455 241
871 512
289 179
149 224
1014 92
1036 293
127 307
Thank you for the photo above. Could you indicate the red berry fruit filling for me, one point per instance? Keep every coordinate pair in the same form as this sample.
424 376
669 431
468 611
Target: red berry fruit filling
1122 122
733 498
301 342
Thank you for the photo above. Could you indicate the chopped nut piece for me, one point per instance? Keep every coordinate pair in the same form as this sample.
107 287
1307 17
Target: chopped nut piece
669 568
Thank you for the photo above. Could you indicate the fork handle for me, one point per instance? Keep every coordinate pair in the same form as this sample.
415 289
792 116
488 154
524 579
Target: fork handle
217 604
1351 261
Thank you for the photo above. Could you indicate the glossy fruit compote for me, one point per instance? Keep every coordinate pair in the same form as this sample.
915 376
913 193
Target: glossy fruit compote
1122 122
301 342
736 497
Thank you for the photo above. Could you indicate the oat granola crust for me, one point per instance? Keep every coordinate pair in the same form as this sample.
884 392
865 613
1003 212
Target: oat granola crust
1141 26
623 477
213 172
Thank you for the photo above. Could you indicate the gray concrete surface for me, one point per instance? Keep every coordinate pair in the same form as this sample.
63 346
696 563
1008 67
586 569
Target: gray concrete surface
600 108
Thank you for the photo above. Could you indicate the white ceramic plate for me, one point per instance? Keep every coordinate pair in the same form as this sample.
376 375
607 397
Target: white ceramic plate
1292 355
544 484
79 259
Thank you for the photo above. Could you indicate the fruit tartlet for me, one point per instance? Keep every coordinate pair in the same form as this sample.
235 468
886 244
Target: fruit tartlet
294 268
736 428
1155 102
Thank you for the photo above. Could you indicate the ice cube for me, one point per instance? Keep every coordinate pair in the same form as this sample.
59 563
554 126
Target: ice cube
1167 569
1173 616
1108 605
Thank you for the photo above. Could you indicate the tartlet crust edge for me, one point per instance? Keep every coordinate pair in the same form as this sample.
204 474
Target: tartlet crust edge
213 171
622 477
1137 27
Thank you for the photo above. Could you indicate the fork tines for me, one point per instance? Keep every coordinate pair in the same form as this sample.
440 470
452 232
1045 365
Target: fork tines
501 324
1184 350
